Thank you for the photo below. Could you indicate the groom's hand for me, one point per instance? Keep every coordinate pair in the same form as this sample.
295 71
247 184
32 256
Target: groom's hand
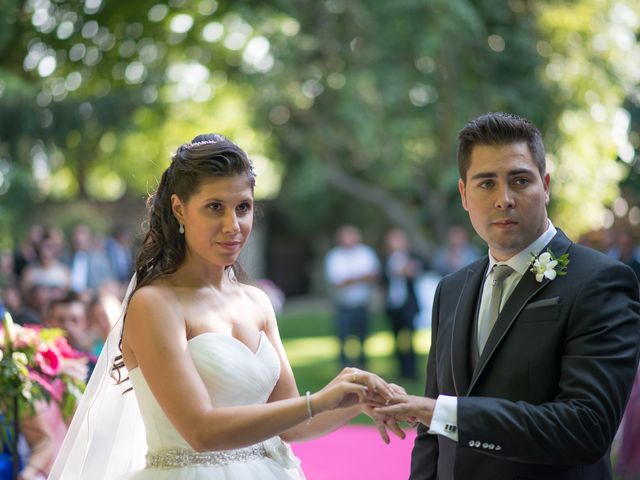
384 422
409 408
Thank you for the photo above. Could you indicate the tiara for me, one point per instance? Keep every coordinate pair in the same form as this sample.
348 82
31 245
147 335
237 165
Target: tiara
252 170
216 139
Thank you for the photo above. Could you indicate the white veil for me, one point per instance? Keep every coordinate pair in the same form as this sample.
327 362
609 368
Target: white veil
106 438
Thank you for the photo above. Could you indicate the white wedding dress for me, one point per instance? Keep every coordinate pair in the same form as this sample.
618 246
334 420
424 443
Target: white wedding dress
234 376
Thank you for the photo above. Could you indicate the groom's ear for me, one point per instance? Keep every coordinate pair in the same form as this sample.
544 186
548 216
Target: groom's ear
462 188
546 181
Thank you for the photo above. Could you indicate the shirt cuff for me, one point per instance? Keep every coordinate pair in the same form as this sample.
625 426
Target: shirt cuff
445 417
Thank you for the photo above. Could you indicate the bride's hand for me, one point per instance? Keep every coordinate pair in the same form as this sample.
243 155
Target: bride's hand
350 387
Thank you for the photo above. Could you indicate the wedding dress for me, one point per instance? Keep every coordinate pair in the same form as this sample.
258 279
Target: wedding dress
112 432
234 376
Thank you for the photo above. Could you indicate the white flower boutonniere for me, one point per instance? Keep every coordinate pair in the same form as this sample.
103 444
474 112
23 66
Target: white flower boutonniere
547 265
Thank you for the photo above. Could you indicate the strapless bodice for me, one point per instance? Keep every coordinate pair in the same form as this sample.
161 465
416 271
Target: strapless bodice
231 372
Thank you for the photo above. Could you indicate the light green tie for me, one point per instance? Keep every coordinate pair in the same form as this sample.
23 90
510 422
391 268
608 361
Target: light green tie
500 273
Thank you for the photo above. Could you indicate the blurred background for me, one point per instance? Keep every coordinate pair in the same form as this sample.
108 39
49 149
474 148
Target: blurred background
349 110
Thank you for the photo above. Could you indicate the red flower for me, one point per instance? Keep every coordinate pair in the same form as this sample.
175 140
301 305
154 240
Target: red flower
48 361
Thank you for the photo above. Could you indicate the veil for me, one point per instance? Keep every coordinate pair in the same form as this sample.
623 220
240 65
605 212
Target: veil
106 438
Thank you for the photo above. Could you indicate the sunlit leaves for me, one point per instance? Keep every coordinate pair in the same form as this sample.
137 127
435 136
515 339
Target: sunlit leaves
589 44
378 89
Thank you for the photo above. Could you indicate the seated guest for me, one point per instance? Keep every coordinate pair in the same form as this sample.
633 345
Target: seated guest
70 314
48 271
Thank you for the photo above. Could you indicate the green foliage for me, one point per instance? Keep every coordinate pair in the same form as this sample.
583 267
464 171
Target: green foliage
378 92
352 107
588 44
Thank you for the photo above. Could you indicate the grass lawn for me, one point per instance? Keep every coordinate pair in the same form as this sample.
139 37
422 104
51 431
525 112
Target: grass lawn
312 349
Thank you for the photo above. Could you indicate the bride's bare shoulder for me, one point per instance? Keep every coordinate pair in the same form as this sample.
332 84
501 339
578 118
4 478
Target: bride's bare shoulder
154 291
261 303
255 294
156 297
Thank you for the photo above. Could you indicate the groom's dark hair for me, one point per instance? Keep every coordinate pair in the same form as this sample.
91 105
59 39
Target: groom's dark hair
498 129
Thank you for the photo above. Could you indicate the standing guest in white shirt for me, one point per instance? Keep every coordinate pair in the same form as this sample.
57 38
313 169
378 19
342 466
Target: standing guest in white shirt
535 391
352 269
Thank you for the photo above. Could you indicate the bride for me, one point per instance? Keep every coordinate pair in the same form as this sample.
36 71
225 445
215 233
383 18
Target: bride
214 396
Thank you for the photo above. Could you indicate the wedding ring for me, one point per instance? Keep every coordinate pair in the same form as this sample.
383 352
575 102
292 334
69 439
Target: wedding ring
386 402
354 377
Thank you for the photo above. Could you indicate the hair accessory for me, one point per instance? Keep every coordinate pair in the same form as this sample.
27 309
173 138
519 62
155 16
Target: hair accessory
213 141
309 410
252 171
181 229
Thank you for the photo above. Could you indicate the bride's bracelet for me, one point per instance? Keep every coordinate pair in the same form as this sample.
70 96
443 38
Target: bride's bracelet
309 409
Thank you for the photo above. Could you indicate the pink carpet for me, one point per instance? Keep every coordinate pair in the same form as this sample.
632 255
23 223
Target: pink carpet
356 452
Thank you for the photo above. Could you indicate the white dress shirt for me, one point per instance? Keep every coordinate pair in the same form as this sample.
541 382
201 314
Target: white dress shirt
342 264
445 413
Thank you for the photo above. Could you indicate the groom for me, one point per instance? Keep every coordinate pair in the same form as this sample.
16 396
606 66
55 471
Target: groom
527 377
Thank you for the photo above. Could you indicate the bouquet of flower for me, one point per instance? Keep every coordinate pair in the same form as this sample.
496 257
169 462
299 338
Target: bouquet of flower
38 364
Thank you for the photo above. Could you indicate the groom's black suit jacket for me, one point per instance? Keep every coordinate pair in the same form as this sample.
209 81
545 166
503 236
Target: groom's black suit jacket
548 392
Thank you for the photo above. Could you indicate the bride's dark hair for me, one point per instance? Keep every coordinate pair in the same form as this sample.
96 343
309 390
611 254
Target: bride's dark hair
163 247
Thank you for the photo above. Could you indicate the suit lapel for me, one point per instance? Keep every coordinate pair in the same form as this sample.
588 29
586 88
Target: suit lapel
524 291
463 327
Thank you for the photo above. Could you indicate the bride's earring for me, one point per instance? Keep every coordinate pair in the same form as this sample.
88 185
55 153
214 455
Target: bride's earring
181 229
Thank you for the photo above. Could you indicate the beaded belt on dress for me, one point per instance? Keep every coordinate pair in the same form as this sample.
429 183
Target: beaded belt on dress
178 458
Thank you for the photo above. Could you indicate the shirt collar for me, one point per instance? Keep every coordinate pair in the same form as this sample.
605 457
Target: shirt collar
520 262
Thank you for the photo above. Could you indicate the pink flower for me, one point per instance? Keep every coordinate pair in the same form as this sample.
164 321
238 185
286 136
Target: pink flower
48 361
76 368
55 388
49 364
65 350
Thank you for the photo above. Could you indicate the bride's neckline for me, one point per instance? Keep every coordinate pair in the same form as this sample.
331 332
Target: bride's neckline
224 335
234 339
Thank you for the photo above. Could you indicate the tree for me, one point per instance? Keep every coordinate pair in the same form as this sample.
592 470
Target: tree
86 86
355 104
369 97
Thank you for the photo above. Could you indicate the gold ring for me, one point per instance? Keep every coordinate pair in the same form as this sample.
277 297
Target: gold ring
354 377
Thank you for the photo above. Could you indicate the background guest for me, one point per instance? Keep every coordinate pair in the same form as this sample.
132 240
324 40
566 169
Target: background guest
89 265
456 253
401 267
352 269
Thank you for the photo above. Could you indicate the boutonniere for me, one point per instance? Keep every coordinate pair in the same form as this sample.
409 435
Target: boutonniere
547 265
